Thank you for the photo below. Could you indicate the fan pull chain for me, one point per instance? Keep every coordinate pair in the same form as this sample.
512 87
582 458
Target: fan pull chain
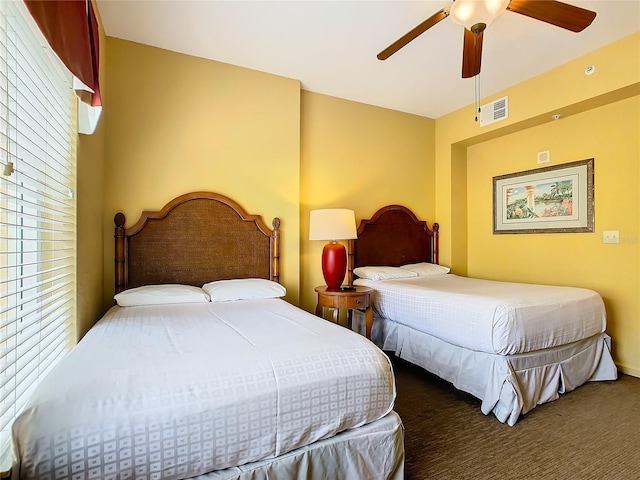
477 96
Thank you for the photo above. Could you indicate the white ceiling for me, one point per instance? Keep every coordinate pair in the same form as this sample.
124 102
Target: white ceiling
331 46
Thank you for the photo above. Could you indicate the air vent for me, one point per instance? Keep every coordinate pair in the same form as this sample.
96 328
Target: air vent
544 157
494 111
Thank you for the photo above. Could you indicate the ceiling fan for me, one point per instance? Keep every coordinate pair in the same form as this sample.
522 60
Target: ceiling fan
475 15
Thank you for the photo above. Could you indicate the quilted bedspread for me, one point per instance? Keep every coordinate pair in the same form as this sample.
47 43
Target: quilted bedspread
174 391
489 316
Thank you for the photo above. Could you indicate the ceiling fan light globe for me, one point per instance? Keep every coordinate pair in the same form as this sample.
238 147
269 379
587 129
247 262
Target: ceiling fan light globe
472 12
462 11
496 7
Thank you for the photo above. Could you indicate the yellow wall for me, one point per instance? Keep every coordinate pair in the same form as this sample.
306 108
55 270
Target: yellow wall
89 199
569 259
359 157
599 119
90 240
177 124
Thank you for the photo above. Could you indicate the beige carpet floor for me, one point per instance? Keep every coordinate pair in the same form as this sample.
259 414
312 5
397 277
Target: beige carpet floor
590 433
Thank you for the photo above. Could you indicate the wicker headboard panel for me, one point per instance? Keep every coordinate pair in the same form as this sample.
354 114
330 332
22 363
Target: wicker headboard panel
393 236
196 238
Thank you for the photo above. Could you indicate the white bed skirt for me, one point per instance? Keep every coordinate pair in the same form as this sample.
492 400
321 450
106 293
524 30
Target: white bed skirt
337 457
508 385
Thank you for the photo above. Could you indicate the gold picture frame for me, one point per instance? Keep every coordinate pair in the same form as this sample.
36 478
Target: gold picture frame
554 199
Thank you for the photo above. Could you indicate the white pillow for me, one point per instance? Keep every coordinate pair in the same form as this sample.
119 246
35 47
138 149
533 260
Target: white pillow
243 289
160 295
424 269
383 273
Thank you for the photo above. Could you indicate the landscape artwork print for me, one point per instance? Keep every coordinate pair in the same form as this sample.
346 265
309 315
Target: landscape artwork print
551 199
555 199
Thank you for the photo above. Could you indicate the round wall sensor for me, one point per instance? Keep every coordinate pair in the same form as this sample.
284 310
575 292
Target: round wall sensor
556 116
589 70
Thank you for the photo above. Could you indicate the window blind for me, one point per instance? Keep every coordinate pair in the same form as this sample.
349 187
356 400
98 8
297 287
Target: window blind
37 213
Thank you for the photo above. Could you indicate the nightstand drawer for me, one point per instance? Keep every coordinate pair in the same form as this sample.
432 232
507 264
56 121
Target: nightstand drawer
356 301
326 301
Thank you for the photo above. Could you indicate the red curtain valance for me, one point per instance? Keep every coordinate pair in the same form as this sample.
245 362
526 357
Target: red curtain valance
71 28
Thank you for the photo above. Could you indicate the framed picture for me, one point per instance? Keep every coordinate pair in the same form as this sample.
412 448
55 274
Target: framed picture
555 199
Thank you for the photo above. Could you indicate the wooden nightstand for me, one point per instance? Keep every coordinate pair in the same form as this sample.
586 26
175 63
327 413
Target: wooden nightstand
359 299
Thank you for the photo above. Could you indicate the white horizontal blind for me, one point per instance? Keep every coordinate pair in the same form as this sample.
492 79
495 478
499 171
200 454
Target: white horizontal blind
37 212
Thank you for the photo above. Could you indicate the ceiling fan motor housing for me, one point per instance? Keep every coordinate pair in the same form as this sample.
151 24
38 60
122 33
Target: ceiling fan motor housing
478 28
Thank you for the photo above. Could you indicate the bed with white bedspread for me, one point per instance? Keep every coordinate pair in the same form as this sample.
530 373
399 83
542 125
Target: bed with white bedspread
512 345
224 381
179 390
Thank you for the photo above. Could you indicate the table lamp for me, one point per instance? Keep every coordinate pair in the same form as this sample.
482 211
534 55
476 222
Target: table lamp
333 224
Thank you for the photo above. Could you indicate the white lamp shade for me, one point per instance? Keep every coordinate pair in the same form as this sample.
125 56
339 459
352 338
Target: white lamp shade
471 12
332 224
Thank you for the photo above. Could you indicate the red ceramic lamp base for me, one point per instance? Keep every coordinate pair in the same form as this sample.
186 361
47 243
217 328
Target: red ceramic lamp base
334 264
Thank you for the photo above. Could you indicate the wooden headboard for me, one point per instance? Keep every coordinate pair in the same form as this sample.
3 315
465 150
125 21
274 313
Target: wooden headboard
393 236
196 238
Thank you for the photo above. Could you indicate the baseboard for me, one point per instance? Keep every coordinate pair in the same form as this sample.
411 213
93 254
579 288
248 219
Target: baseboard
634 372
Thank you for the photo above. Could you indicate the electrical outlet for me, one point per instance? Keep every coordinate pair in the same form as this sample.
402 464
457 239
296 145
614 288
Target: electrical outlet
610 236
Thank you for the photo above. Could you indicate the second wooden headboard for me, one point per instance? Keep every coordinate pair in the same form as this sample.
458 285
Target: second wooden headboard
393 236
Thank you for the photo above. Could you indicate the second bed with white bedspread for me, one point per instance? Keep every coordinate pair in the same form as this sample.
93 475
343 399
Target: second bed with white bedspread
494 317
512 345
